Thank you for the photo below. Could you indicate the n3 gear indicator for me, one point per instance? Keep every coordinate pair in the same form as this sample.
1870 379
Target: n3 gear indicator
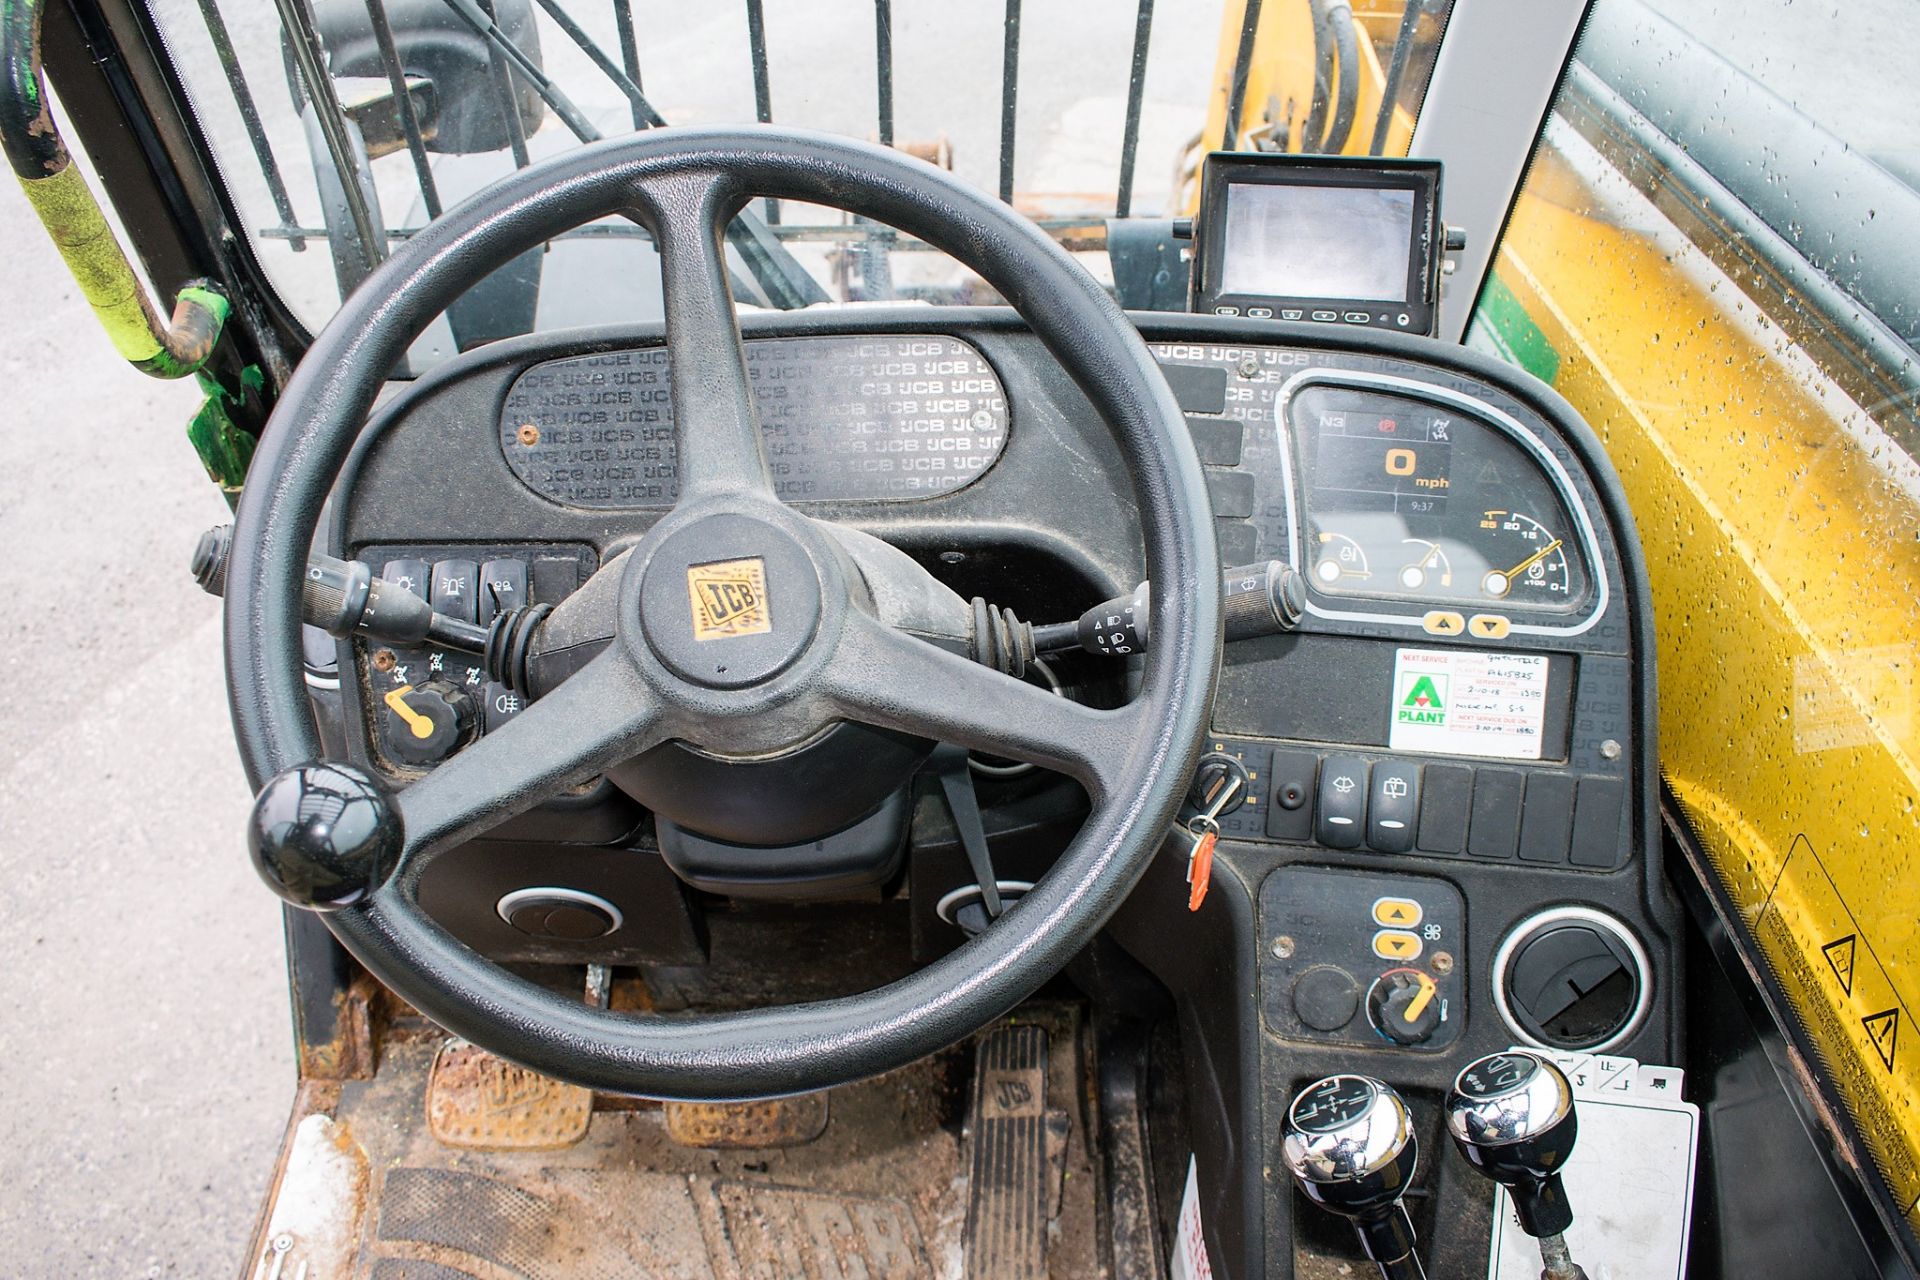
1333 1103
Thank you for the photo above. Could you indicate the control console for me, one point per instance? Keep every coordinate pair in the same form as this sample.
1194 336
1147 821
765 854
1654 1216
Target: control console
424 703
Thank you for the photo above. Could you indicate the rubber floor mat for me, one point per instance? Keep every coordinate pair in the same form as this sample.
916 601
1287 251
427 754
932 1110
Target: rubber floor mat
881 1194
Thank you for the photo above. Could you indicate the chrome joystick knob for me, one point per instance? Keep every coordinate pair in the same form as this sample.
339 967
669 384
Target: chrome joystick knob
1512 1116
1348 1141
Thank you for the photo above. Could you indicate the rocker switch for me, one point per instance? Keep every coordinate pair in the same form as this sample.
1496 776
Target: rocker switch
503 586
411 574
1393 806
1342 816
453 589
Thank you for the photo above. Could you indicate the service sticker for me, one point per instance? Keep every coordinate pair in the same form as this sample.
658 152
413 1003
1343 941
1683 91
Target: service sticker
1459 703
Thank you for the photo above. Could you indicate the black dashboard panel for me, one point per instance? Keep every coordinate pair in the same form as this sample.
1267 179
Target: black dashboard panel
1538 800
878 418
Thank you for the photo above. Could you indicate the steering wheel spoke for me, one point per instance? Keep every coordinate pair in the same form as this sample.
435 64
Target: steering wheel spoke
895 680
716 421
600 715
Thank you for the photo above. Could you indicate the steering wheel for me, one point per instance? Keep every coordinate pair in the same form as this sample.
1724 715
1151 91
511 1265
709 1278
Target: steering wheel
328 836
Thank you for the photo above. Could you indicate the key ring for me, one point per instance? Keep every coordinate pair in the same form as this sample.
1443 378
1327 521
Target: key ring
1201 824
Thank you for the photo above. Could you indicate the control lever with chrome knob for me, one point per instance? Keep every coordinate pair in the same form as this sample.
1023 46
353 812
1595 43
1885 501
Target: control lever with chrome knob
1511 1114
1348 1141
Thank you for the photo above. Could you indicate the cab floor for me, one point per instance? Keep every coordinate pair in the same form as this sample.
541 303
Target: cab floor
365 1190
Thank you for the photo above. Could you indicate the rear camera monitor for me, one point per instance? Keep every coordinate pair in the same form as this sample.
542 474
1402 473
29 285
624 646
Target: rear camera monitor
1319 239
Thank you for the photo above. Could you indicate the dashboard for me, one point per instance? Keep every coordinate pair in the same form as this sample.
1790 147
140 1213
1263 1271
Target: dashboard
1446 840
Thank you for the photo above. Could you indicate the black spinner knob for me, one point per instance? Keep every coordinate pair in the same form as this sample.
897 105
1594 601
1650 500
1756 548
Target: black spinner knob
323 836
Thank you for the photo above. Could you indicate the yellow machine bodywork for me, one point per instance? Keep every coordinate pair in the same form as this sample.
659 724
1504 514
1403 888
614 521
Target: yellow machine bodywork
1280 81
1780 532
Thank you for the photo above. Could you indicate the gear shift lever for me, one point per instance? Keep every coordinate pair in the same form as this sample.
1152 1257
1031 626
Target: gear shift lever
1349 1142
1511 1114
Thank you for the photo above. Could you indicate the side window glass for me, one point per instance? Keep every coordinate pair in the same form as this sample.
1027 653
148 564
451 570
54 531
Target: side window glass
1716 258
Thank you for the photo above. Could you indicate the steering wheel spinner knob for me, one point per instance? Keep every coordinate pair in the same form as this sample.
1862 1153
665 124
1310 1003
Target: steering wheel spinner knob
324 836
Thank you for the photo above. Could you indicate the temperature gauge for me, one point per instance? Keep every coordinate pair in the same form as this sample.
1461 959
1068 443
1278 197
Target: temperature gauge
1341 558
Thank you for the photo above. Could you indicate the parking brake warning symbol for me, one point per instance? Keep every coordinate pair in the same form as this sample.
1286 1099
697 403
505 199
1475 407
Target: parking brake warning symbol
1839 954
1883 1028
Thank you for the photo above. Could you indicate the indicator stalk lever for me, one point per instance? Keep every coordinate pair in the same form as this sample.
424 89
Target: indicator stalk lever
1257 600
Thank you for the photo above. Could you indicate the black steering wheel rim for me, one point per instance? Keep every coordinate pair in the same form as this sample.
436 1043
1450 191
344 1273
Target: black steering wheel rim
771 1051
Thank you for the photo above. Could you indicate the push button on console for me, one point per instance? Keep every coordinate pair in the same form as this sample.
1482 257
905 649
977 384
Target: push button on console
1290 816
1396 944
1343 802
1398 913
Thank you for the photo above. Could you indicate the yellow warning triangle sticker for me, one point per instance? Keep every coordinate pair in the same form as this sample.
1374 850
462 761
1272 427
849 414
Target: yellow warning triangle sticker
1839 954
1883 1028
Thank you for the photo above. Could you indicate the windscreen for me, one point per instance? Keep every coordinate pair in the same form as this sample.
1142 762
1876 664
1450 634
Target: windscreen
344 126
1289 241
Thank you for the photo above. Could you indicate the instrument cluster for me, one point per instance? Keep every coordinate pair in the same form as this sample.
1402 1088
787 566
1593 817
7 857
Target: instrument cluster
1414 496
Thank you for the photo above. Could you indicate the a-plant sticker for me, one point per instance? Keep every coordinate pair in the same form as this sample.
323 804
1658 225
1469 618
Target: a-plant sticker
1455 702
1423 700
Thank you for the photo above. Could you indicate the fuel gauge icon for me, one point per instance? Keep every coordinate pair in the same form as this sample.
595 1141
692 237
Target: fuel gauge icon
1430 564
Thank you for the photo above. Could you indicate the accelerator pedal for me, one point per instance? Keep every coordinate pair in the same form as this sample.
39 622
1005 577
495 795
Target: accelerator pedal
478 1102
1017 1160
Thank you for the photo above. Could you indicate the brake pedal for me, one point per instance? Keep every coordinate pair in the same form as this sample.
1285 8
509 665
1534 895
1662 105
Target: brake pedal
479 1102
1018 1157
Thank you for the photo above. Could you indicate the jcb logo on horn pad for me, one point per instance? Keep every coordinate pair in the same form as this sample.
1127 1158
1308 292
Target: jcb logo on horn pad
729 598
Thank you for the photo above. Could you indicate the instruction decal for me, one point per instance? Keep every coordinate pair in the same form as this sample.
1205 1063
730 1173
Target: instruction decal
1463 703
1839 954
1883 1029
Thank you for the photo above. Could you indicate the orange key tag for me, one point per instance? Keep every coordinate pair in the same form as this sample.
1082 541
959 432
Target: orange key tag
1200 868
1204 827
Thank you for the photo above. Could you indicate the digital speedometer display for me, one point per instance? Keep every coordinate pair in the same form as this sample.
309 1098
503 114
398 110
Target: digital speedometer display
1408 499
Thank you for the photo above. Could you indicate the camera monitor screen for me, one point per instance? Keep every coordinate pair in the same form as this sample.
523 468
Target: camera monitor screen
1318 242
1328 239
